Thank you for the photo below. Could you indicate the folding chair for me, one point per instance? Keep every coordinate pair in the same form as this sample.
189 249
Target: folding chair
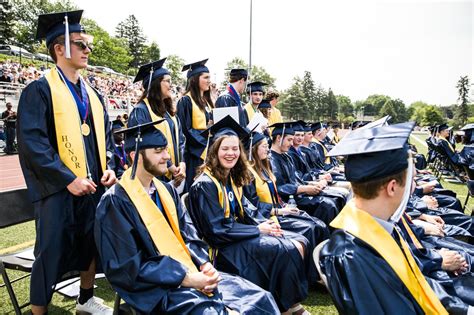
123 308
316 252
16 208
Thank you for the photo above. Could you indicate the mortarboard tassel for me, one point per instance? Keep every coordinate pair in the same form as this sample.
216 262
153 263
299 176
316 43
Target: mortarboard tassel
282 135
250 147
67 44
149 80
138 139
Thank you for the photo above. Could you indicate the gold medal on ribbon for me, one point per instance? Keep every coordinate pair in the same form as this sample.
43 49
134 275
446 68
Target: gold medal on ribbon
85 129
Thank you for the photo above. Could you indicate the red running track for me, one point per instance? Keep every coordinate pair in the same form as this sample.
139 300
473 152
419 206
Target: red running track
11 176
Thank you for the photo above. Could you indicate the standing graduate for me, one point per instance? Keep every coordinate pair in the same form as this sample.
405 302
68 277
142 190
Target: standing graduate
120 157
275 116
231 96
149 249
256 93
257 252
157 103
368 264
66 150
194 112
308 197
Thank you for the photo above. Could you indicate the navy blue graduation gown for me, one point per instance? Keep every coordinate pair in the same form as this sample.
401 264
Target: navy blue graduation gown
430 261
120 160
150 282
64 223
228 100
360 281
272 263
195 143
287 181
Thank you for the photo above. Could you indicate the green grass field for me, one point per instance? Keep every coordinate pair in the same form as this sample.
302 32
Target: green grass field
21 236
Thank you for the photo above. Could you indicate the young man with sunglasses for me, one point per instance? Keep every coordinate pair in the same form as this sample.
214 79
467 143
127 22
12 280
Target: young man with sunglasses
65 145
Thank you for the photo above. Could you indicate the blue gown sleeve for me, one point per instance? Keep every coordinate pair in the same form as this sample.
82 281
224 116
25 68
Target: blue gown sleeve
284 186
208 215
34 123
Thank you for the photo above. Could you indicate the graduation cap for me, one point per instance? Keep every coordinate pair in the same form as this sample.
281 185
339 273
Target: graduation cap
150 72
444 127
299 126
468 127
142 137
307 128
195 68
236 72
316 126
377 123
283 129
256 86
53 25
227 126
117 124
264 104
374 153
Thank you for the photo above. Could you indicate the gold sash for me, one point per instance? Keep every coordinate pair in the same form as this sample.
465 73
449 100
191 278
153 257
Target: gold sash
327 159
69 137
275 116
198 120
165 128
449 144
411 234
166 237
250 111
222 193
263 190
363 226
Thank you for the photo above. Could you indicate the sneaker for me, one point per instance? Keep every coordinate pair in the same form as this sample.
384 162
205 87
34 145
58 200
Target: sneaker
94 306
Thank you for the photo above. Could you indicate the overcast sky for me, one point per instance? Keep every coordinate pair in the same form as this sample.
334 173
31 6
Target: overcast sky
412 50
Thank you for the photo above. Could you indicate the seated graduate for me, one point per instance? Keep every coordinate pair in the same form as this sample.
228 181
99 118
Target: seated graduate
120 157
308 197
444 142
368 264
257 252
450 268
467 153
156 103
149 248
319 135
262 193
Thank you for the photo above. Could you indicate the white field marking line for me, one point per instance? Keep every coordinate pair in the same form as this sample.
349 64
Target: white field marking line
420 141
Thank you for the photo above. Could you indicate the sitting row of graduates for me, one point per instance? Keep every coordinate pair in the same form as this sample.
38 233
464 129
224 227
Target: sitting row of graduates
441 142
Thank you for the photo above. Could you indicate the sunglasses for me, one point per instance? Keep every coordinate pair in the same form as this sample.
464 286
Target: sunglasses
82 44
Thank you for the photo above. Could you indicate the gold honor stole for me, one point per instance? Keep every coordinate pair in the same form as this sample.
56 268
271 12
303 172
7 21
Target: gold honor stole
449 144
166 130
68 134
363 226
263 191
222 192
250 110
198 120
166 237
411 234
327 159
275 116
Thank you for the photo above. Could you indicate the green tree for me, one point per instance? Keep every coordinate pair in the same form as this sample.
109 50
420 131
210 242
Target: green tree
131 31
377 101
26 13
401 114
309 94
431 116
7 20
388 109
462 112
174 64
332 106
108 51
292 102
152 52
346 108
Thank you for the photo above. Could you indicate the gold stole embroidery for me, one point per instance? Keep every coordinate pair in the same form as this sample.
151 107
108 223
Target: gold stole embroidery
70 141
361 224
166 237
222 193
